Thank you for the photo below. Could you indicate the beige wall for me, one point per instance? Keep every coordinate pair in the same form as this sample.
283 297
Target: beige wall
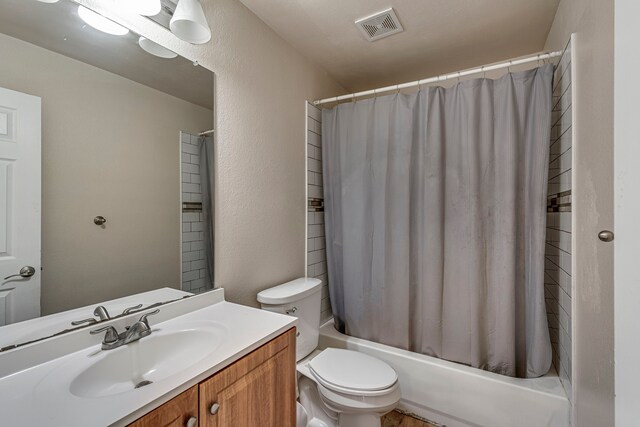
109 147
261 86
593 374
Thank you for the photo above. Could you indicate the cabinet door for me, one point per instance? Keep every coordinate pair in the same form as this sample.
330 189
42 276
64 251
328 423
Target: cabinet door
181 411
256 391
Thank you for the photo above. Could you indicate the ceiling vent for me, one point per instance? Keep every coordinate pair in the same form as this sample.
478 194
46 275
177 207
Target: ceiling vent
379 25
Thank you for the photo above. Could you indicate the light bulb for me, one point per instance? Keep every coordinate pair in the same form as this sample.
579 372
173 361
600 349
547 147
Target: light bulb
155 49
101 23
189 22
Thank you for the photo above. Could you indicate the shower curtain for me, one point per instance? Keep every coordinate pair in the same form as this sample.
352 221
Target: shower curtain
435 220
206 187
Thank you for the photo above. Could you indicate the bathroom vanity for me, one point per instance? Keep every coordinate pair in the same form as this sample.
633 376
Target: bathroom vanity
257 390
207 362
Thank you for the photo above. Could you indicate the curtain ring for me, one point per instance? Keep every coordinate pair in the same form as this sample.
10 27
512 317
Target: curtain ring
397 89
509 67
484 72
353 98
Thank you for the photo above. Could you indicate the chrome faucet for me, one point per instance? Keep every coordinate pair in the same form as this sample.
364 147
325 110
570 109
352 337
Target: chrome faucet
113 339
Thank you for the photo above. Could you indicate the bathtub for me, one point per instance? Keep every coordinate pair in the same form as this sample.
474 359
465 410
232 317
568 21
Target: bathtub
455 395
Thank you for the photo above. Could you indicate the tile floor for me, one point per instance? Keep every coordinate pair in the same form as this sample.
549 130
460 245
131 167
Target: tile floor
397 419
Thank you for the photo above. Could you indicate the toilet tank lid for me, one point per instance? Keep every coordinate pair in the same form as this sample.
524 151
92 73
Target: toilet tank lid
291 291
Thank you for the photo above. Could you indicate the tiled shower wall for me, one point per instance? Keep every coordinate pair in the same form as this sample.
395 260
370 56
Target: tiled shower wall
316 246
557 280
193 252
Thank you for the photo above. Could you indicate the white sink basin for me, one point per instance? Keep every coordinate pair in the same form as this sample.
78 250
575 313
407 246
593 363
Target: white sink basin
161 355
90 387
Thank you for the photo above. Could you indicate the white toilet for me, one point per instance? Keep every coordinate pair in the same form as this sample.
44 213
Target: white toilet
337 388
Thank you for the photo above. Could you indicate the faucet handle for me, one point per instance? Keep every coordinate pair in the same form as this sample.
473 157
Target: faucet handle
80 322
101 312
131 309
110 337
143 318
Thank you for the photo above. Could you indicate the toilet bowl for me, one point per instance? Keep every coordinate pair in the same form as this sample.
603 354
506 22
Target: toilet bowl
337 388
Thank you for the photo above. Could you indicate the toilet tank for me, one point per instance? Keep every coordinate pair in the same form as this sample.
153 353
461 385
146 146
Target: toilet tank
299 298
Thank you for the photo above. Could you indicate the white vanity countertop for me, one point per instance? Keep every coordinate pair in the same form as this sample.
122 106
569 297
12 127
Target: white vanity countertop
35 396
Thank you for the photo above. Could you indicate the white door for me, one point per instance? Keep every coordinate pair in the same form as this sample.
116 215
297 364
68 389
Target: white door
19 206
627 213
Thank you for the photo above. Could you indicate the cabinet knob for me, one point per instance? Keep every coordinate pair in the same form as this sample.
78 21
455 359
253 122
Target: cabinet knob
192 422
214 408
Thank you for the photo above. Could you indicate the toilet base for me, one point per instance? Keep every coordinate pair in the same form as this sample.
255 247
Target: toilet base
320 415
359 420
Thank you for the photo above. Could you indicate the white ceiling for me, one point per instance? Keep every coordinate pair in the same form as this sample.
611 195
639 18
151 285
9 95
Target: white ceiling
440 35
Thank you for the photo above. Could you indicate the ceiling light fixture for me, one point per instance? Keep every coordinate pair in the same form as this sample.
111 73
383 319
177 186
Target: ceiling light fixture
101 23
48 1
189 22
143 7
155 49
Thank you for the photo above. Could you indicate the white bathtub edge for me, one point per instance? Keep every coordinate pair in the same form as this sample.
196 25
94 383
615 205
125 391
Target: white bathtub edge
458 395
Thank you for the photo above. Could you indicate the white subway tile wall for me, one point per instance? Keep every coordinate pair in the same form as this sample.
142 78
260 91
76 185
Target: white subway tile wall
316 252
193 255
557 278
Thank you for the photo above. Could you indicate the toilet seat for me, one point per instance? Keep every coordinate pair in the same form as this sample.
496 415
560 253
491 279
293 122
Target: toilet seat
352 373
348 402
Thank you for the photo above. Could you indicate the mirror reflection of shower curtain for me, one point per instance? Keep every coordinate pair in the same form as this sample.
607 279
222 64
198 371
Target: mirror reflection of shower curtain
435 216
206 186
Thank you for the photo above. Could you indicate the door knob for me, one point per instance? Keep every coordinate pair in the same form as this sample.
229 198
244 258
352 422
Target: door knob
192 422
606 236
214 408
26 271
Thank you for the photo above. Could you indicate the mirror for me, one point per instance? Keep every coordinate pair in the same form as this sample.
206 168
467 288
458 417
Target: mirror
102 171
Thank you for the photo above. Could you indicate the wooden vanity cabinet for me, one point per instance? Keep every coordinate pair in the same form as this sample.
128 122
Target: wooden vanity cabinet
256 391
175 413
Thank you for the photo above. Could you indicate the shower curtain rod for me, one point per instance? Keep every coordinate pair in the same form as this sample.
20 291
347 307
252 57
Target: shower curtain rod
443 77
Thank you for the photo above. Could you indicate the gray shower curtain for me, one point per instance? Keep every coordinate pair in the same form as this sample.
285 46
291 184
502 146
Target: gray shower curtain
435 220
206 186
